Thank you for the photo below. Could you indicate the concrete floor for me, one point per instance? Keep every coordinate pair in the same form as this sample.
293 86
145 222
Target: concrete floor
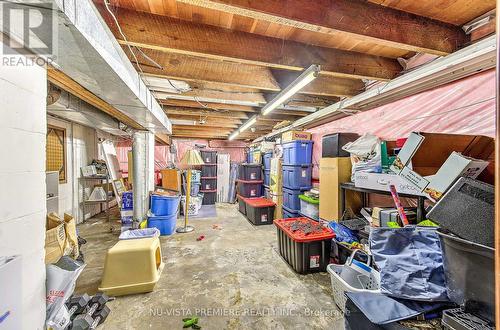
233 279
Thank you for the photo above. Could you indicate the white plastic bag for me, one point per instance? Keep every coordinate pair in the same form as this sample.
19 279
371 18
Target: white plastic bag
61 279
140 233
365 154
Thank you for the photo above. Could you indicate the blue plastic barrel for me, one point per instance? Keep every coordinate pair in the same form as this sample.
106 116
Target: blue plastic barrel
164 205
297 152
165 224
297 176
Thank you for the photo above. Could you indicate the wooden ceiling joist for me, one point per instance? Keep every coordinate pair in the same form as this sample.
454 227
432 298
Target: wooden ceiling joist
357 19
182 37
190 68
197 70
250 99
192 112
213 105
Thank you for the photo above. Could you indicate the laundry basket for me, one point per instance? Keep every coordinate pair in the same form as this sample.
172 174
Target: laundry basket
340 287
195 203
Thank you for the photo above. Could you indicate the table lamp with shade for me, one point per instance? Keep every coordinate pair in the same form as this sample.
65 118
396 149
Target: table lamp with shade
191 159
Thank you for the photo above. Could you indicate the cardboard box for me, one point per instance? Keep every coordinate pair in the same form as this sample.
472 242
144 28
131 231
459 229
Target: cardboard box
171 179
333 172
295 135
382 181
432 162
456 166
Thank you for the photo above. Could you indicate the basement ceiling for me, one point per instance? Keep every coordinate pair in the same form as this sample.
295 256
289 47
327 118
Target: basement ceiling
215 63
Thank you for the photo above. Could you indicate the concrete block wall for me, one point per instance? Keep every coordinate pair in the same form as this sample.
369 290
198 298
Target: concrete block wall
23 128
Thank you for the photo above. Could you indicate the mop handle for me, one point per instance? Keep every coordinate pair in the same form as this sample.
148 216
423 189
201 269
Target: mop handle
399 207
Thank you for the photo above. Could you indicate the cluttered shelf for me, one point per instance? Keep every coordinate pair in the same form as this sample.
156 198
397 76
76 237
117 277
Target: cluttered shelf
351 186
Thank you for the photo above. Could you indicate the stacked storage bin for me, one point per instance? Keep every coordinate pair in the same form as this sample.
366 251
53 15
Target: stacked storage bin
163 213
250 180
209 176
297 174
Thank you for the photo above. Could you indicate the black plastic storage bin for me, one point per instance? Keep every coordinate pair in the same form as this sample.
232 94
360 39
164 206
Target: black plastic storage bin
304 244
470 275
208 183
250 172
250 189
332 144
260 211
242 205
209 156
209 197
209 170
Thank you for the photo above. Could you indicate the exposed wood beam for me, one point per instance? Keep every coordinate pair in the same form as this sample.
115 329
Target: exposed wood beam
214 105
240 75
357 19
190 68
174 112
162 139
61 80
182 37
186 128
251 99
323 85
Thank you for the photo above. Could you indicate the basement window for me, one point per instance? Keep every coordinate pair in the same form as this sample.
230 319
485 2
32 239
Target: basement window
56 151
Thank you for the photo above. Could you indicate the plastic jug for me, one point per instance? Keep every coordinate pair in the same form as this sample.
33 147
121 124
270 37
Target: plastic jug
356 273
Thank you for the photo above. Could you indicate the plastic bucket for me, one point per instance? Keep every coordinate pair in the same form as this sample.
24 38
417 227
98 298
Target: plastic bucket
165 224
470 275
164 205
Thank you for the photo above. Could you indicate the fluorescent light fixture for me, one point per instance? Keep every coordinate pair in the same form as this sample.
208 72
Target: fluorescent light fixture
183 122
248 124
233 135
304 79
243 127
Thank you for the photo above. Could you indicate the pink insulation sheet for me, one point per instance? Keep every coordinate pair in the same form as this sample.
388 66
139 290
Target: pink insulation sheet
466 106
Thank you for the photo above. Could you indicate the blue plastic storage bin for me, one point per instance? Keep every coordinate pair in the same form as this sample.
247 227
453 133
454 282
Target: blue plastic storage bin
250 157
297 176
287 213
267 160
164 205
297 152
165 224
267 177
291 199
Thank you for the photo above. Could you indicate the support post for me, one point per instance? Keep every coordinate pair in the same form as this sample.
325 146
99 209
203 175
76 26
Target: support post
143 173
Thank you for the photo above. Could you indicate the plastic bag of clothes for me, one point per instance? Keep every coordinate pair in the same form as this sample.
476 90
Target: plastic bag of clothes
410 262
365 154
342 233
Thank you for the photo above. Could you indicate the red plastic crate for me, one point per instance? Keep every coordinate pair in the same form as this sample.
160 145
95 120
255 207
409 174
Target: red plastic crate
304 252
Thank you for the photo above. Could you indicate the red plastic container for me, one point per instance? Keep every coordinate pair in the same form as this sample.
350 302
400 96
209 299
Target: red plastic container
249 189
260 211
304 244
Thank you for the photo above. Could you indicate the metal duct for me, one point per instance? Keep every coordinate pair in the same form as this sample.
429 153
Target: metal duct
87 51
67 106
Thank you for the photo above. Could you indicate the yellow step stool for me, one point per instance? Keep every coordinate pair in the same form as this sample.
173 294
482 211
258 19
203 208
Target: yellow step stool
132 266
